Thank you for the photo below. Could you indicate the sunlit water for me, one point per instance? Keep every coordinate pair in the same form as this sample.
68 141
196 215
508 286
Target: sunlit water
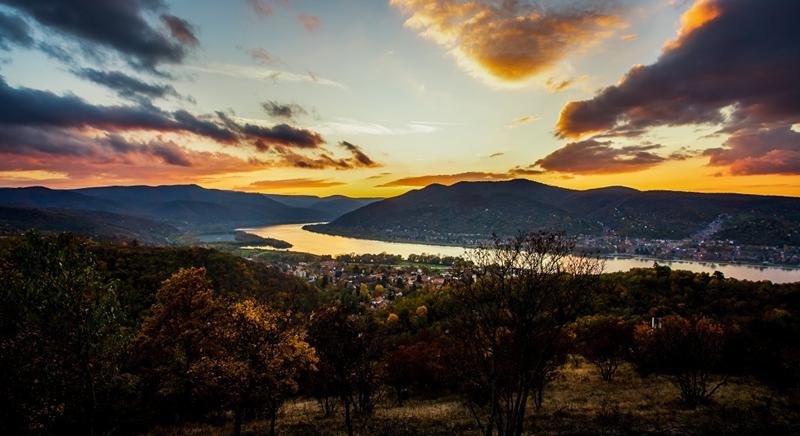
317 243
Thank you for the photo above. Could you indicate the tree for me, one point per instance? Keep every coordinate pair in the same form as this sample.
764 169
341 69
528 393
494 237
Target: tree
259 364
690 350
508 329
60 338
419 365
604 341
346 342
178 336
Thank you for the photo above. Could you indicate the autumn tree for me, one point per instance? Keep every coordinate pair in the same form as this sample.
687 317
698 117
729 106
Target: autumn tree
605 341
689 350
508 328
259 363
178 337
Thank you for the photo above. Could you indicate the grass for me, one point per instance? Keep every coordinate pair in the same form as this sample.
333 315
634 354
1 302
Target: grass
578 402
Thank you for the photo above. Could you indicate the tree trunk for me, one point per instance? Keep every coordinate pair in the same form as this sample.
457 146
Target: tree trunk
347 421
237 422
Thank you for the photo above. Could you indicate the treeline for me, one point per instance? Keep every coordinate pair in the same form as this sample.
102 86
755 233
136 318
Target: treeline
394 259
103 339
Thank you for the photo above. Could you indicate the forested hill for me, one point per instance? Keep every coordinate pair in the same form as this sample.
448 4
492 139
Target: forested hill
471 211
189 207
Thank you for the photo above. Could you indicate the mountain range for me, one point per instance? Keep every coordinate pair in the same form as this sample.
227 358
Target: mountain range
181 207
468 212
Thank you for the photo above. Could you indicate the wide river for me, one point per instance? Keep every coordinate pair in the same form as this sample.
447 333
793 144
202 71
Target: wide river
317 243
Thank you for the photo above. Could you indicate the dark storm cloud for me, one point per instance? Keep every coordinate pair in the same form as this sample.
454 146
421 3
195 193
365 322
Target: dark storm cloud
13 31
121 25
282 134
126 86
29 141
283 110
31 107
358 157
733 64
734 53
600 157
35 124
770 151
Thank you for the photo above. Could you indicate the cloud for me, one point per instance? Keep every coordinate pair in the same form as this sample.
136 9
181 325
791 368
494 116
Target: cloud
525 172
31 176
282 134
260 55
509 41
261 7
733 63
521 121
378 176
359 159
43 123
290 184
122 26
599 157
127 86
768 151
282 110
14 31
310 22
80 154
181 30
558 85
349 126
30 107
445 179
257 73
498 154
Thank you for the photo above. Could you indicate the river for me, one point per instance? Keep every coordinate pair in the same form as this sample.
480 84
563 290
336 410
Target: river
317 243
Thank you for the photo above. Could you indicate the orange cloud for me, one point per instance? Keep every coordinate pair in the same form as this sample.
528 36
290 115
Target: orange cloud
310 22
509 42
289 184
525 119
450 179
696 17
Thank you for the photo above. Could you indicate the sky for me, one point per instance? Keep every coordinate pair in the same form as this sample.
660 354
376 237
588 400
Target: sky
378 97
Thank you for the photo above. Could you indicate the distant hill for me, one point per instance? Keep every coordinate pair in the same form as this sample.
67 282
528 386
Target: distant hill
468 212
101 226
332 206
186 206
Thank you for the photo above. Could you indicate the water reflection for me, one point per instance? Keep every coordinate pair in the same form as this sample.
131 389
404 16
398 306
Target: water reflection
317 243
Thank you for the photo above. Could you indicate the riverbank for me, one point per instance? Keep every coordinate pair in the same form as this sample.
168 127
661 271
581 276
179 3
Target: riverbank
322 229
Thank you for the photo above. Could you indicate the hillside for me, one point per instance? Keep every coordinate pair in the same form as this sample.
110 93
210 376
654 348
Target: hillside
468 212
101 226
186 206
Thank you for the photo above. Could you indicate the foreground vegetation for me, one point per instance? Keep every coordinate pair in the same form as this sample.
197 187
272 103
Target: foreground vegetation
101 339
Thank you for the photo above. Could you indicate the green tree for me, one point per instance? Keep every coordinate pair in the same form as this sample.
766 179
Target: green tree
60 338
347 345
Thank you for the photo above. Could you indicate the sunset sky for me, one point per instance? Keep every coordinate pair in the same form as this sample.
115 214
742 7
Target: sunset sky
376 97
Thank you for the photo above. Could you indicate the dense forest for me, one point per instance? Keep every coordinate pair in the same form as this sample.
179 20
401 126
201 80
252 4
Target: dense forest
99 338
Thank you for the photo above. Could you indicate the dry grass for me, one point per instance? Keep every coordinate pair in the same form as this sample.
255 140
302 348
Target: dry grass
577 402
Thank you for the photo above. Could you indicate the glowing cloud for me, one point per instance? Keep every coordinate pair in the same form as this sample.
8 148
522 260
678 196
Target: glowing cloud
507 42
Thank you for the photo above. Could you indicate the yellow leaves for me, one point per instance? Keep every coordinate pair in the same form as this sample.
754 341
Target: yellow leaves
392 319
